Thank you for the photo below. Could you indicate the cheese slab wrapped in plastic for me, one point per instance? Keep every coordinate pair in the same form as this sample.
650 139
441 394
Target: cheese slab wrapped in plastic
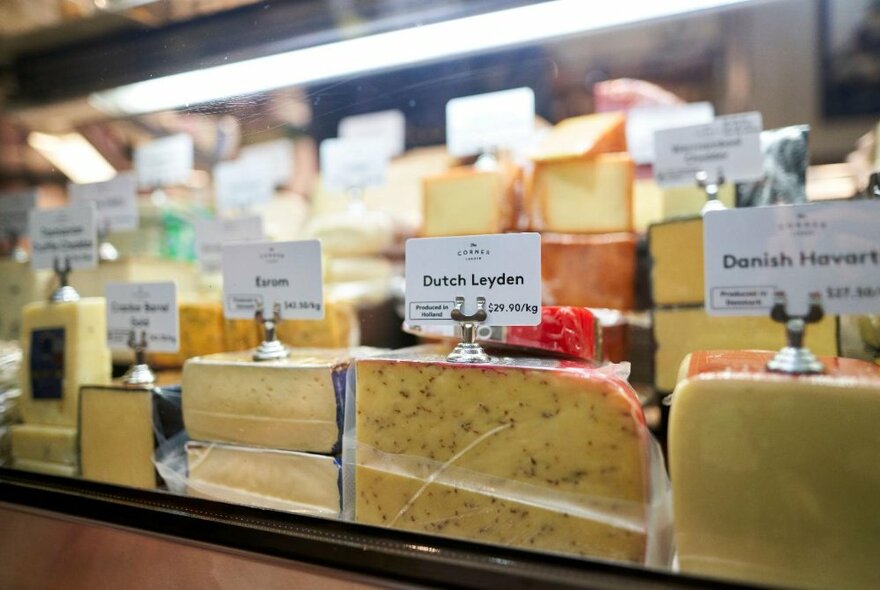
64 345
49 444
775 477
589 271
295 403
538 453
121 426
304 483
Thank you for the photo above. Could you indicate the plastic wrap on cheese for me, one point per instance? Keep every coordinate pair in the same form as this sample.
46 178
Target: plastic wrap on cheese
545 454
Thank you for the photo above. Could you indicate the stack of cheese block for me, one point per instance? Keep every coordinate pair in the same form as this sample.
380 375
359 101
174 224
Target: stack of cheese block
64 345
680 322
266 433
536 453
775 476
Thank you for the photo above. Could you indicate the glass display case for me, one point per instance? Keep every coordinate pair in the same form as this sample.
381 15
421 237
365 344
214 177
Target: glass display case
245 337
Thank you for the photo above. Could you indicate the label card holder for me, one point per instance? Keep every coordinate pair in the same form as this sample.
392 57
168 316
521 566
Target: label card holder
115 201
148 309
14 209
239 184
643 122
165 161
211 234
485 122
64 234
504 269
386 126
353 163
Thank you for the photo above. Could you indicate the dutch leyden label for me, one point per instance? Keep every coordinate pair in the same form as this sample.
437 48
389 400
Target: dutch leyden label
146 309
829 248
505 269
260 275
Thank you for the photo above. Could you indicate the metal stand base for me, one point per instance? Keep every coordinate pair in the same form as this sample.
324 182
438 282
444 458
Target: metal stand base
465 352
139 374
270 350
795 361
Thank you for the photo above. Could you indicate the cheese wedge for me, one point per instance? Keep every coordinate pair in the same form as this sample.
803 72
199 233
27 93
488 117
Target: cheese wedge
579 195
775 481
589 271
679 332
676 250
45 467
540 454
584 136
201 333
292 404
49 444
120 426
466 201
282 480
19 286
63 346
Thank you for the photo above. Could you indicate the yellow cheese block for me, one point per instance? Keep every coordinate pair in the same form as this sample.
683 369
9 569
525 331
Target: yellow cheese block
869 329
676 250
465 201
64 345
201 333
587 135
679 332
775 476
293 403
652 204
338 329
19 285
50 444
282 480
45 467
352 233
533 455
580 195
91 282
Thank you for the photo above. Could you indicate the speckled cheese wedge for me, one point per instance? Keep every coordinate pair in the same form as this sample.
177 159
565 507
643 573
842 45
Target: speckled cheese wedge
560 439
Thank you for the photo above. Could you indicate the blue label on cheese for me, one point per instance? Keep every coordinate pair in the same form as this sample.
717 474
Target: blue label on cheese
47 363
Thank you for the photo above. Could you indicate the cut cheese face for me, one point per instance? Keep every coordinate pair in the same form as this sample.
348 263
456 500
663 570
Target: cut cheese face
49 444
652 204
20 286
64 345
589 271
587 135
775 477
511 454
679 332
91 282
268 478
292 404
201 333
45 467
465 201
676 249
583 195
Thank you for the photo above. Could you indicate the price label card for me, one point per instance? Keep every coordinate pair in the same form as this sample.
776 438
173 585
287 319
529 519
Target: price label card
483 122
387 126
730 146
148 309
164 162
831 248
503 268
275 156
242 183
353 163
643 122
265 273
115 201
14 210
211 234
66 233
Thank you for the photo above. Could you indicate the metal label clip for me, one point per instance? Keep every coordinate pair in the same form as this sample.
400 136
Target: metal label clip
468 350
64 293
794 358
139 373
270 348
711 188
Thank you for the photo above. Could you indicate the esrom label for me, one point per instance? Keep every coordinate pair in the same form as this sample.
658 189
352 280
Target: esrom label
505 269
143 311
828 248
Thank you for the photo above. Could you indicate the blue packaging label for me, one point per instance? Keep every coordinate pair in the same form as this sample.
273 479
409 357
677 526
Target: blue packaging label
47 363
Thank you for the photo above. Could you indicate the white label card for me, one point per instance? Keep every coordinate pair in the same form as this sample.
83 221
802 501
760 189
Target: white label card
265 273
643 122
115 201
484 122
730 146
164 162
147 309
387 126
211 234
830 248
276 156
503 268
14 209
242 183
67 233
353 163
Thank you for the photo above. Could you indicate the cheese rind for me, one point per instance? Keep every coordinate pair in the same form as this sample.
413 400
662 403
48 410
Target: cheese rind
48 444
281 480
71 350
545 425
589 271
774 477
292 404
